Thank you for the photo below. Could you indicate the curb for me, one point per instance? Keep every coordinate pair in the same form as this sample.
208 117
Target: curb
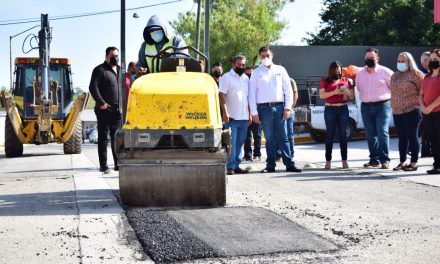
103 228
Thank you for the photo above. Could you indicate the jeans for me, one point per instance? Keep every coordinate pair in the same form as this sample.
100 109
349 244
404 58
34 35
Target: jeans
255 131
336 117
291 133
407 126
107 121
275 132
290 136
376 121
431 124
238 136
426 143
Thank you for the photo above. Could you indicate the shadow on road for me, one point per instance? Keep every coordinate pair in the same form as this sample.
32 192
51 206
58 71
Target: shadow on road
58 203
29 155
333 175
76 170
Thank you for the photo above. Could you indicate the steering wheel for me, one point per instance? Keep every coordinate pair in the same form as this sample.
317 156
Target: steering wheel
176 51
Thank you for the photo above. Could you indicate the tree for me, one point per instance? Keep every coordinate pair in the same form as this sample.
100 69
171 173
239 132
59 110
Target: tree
77 90
377 22
236 27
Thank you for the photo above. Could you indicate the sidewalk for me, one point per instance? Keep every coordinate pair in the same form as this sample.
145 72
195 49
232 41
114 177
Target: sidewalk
57 208
358 155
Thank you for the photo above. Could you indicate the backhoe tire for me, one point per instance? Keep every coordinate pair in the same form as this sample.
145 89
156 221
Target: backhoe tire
73 145
13 146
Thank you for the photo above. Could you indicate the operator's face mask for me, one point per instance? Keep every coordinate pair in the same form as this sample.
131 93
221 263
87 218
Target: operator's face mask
157 36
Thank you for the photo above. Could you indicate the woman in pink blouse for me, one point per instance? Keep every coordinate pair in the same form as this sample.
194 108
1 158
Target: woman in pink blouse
405 87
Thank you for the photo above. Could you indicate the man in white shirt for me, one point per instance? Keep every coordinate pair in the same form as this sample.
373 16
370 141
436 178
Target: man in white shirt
234 88
270 102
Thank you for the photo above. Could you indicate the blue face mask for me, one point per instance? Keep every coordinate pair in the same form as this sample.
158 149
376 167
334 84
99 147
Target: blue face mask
401 66
157 36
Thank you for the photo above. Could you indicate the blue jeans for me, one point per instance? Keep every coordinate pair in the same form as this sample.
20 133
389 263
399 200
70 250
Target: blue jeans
238 136
376 121
336 117
407 126
291 133
275 132
290 136
255 131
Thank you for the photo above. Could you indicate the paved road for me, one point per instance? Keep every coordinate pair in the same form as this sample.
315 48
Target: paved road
56 207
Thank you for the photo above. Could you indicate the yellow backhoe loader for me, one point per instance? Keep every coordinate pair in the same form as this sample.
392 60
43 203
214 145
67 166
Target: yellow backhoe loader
40 107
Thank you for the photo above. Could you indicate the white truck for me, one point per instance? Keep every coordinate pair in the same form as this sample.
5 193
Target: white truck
313 113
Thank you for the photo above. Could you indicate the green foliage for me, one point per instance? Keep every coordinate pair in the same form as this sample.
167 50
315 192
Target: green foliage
77 91
236 27
377 22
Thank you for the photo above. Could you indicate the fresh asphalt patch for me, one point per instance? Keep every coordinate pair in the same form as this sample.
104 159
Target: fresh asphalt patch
164 239
185 234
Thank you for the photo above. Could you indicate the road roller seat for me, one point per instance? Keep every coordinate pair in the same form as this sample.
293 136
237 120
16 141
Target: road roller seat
180 64
174 59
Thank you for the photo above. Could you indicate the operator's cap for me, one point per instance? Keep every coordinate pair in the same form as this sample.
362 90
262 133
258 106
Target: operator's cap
152 28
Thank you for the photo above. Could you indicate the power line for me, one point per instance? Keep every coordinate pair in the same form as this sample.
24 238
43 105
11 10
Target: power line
33 20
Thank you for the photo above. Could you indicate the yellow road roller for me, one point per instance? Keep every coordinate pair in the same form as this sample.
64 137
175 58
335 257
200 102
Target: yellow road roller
170 148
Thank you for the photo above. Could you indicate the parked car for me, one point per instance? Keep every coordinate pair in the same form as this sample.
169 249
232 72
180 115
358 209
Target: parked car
93 136
312 114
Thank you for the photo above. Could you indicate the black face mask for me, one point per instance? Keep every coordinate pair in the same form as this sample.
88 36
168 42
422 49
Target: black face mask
336 76
114 61
370 63
434 65
216 74
248 75
239 70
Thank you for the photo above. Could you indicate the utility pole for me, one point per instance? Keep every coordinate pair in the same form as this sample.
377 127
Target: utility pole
206 36
10 54
122 88
199 8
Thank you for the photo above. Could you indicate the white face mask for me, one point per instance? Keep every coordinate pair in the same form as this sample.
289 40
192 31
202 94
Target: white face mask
401 66
266 62
157 36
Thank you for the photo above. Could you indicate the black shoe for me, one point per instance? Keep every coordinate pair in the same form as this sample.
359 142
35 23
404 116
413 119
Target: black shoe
104 169
410 168
247 158
240 171
268 170
401 166
371 165
116 168
433 171
293 169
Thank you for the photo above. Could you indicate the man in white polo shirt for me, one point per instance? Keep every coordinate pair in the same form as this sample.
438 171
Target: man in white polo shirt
233 88
270 102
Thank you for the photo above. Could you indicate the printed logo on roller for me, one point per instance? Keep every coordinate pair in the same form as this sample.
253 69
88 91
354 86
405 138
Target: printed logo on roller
196 115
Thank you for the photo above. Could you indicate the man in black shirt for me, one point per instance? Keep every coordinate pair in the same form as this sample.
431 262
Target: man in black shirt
104 89
217 71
